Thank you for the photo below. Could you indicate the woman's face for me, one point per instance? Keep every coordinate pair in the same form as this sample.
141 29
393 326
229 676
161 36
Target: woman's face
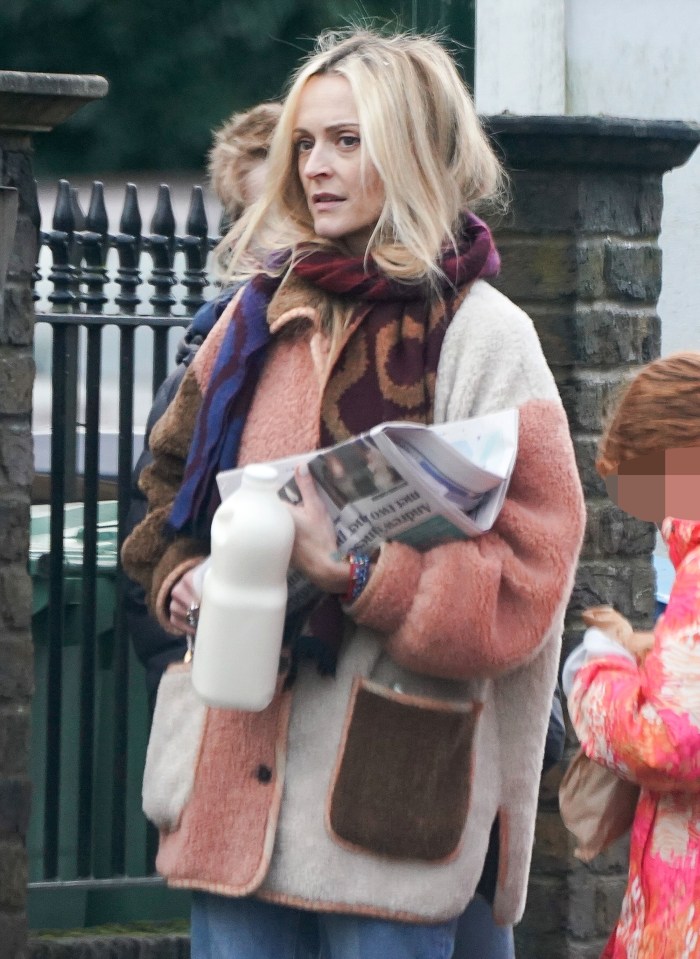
329 151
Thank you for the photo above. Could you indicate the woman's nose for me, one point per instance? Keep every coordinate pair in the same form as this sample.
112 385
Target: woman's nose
317 162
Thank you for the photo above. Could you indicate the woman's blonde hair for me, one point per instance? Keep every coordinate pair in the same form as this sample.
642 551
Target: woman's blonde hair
659 410
419 129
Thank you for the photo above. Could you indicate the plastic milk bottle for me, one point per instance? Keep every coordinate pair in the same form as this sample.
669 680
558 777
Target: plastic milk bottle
244 596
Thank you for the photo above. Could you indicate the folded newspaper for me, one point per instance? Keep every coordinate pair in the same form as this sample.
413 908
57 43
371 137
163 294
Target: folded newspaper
420 485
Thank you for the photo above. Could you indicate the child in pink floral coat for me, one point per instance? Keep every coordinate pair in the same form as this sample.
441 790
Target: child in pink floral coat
640 714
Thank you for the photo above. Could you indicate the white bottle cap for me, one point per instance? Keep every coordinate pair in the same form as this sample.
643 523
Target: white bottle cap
259 476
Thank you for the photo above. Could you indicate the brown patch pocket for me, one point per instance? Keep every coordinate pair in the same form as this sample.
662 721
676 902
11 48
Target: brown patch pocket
402 783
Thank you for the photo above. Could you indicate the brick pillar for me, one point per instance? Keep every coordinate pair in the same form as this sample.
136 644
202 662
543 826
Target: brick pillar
581 256
28 103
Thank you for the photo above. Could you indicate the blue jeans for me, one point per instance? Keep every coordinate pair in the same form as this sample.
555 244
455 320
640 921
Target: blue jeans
225 928
478 936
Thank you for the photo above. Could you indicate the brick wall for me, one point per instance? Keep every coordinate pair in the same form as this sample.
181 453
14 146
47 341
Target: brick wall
581 256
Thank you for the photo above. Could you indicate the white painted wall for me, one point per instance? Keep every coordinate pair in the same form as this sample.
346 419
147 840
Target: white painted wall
520 56
641 58
629 58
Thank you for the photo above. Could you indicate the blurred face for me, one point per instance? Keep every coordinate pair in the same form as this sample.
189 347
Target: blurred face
660 484
343 206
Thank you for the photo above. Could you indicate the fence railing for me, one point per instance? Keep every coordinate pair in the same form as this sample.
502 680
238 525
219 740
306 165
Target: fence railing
87 836
80 243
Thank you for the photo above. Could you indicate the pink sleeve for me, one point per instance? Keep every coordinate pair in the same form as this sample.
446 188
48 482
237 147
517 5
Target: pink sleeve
644 721
483 606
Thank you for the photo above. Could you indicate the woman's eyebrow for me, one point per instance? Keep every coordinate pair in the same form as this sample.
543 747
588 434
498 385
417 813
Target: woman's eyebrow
333 127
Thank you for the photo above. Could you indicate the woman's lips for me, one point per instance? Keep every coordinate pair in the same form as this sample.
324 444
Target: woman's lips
326 200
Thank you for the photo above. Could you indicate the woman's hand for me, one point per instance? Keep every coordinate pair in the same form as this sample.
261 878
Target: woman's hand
314 552
183 596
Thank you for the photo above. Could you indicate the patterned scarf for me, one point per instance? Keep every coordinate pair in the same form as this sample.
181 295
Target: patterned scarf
385 370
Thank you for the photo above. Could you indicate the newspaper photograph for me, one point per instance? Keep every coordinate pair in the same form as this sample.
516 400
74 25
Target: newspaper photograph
419 485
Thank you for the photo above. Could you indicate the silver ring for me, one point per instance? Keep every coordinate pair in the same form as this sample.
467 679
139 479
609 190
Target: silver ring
192 615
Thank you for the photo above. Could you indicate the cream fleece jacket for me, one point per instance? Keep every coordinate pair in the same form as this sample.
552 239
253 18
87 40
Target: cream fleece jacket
456 648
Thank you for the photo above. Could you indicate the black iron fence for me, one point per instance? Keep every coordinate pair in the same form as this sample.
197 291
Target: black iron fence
87 836
79 244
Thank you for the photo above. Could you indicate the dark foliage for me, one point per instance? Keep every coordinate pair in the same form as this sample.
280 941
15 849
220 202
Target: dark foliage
177 68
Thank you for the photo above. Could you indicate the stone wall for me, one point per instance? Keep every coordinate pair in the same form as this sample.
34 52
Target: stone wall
28 103
581 256
127 944
17 257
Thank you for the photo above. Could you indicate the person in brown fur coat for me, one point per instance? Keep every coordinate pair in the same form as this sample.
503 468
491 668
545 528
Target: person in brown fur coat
236 167
237 158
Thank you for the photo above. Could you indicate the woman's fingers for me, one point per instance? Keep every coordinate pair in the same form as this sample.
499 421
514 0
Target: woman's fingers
307 487
315 544
182 598
311 518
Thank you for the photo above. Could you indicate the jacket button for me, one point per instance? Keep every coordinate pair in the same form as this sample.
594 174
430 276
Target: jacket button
264 774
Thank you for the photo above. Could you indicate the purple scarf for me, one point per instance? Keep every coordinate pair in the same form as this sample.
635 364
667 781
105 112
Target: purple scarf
383 331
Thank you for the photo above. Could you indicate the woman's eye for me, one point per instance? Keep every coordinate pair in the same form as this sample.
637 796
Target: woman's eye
349 140
304 145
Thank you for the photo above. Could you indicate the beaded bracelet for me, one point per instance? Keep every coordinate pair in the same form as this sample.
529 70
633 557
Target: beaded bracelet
359 574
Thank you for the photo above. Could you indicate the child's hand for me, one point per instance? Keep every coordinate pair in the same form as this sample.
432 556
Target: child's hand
614 625
639 644
608 621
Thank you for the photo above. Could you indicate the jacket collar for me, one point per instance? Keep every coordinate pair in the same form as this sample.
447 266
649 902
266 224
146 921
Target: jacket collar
681 536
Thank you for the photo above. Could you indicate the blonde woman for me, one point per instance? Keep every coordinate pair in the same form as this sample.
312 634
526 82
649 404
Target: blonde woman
414 700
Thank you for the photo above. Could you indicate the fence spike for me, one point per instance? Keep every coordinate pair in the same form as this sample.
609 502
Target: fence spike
63 275
96 220
197 224
78 215
63 218
161 244
128 243
130 222
93 240
163 222
196 248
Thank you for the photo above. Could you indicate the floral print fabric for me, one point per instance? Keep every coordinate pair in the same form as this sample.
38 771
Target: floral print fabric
644 723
